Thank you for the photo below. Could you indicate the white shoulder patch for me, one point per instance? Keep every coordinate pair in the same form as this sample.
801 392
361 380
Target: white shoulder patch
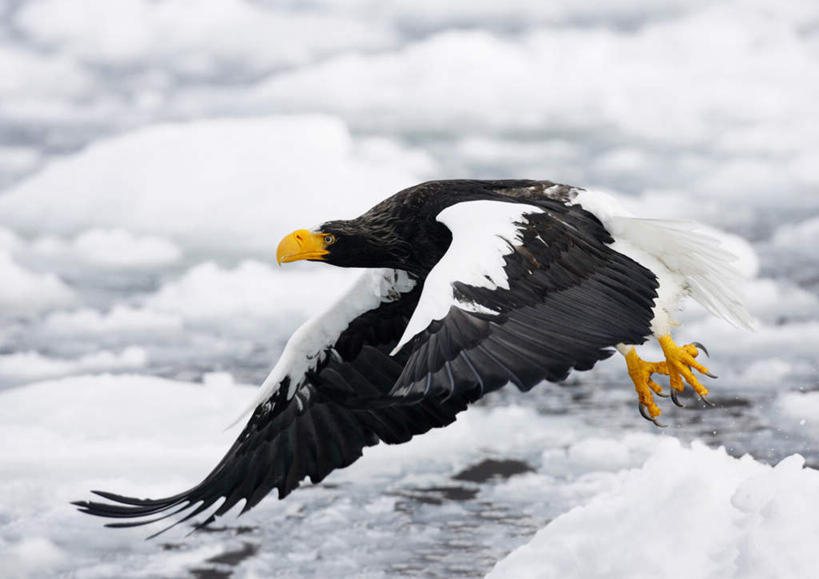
305 348
483 232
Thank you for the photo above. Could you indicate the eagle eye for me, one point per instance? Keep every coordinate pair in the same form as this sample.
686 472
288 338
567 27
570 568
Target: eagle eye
329 239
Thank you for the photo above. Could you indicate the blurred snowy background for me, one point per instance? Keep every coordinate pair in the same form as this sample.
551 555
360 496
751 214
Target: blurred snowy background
152 154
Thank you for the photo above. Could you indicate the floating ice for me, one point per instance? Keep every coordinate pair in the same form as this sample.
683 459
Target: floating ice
29 366
250 293
121 321
24 292
225 185
800 237
61 438
694 109
110 249
802 408
187 38
692 512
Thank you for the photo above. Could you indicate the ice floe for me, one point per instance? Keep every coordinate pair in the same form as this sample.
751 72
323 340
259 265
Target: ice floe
24 292
110 249
692 512
224 185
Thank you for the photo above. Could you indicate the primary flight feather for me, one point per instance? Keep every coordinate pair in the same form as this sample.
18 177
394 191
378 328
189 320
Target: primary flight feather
469 285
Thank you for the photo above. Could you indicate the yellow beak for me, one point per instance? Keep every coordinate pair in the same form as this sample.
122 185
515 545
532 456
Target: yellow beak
301 244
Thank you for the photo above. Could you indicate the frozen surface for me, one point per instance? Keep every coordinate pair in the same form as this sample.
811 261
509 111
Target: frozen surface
25 292
693 512
224 185
152 154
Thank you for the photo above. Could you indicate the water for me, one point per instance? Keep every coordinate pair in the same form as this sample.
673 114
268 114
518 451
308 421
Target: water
613 99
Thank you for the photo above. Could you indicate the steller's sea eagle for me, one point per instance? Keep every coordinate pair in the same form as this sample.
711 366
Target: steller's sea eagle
469 285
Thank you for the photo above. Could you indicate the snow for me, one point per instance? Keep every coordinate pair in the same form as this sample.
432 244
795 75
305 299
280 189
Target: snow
729 517
161 426
692 512
18 160
800 237
31 365
803 408
440 78
120 320
224 185
34 555
24 292
9 241
252 292
193 39
111 248
152 155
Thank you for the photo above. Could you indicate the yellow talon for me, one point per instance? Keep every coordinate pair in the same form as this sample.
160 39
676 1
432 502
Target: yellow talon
679 361
640 372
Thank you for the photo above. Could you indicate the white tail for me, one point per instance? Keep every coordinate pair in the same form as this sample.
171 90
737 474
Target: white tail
709 269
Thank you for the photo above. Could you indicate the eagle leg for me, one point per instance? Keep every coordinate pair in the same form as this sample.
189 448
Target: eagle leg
679 362
641 372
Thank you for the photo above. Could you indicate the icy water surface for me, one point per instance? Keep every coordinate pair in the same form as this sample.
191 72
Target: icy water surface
151 157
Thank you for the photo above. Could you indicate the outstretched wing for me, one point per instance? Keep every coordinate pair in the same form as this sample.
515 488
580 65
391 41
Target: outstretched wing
304 425
524 292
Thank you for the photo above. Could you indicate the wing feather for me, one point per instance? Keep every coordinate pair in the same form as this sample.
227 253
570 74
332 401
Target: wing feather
560 300
309 424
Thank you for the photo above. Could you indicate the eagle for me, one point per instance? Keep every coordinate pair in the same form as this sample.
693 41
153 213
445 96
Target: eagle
468 285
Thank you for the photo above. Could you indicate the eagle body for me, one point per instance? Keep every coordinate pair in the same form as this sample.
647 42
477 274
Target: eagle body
468 285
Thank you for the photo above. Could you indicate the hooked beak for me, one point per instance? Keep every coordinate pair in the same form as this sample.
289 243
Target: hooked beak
301 244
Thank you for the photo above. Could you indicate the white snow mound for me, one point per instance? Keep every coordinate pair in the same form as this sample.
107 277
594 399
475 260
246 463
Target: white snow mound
110 249
137 434
31 365
24 292
248 292
688 512
227 185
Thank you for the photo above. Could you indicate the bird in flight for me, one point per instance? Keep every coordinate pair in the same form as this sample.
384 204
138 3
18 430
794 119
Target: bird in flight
469 285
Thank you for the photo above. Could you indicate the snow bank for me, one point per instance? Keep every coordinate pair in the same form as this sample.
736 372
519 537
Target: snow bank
165 435
29 366
802 237
123 321
9 241
774 300
188 38
220 184
24 292
795 339
250 293
16 160
521 13
110 249
802 408
29 75
623 80
645 106
725 516
692 512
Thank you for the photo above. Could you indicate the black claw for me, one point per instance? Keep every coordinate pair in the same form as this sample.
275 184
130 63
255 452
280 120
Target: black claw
644 413
676 400
661 394
701 347
711 375
707 402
